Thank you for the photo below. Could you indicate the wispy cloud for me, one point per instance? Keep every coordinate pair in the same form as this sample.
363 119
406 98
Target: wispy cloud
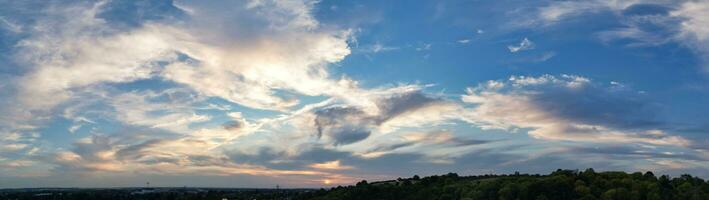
544 57
523 45
10 26
669 21
377 47
424 47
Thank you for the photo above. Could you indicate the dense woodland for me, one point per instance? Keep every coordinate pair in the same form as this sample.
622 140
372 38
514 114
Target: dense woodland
561 184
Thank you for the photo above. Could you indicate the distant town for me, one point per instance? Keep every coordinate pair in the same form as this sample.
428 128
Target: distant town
183 193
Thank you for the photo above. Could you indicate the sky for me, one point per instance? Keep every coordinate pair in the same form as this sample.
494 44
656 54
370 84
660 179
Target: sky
304 93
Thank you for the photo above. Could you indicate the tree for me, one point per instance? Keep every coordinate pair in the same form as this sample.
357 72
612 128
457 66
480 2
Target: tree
541 197
561 184
616 194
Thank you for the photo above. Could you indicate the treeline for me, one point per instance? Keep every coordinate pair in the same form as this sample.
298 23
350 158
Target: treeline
561 184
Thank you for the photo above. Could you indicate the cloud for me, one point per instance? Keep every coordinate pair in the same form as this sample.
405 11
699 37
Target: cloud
283 50
156 93
693 32
347 124
332 165
17 144
645 22
74 60
156 153
569 108
524 45
557 11
638 152
424 47
554 12
344 125
437 145
695 15
441 137
544 57
378 47
145 109
77 58
10 26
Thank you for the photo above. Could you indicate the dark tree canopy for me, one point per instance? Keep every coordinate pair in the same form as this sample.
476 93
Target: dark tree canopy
560 184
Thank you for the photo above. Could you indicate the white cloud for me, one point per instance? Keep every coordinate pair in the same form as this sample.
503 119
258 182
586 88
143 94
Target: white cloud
14 142
284 50
143 109
525 44
65 62
641 37
378 47
697 17
693 28
569 108
557 11
332 165
74 128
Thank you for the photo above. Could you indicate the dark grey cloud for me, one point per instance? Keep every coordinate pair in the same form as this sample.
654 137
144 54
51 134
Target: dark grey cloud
307 156
391 147
207 160
403 103
346 125
646 9
596 104
134 152
467 142
262 157
349 134
233 125
627 152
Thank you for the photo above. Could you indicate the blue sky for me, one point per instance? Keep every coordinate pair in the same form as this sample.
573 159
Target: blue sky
305 93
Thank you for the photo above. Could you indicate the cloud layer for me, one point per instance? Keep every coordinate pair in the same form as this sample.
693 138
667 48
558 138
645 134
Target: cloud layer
254 89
